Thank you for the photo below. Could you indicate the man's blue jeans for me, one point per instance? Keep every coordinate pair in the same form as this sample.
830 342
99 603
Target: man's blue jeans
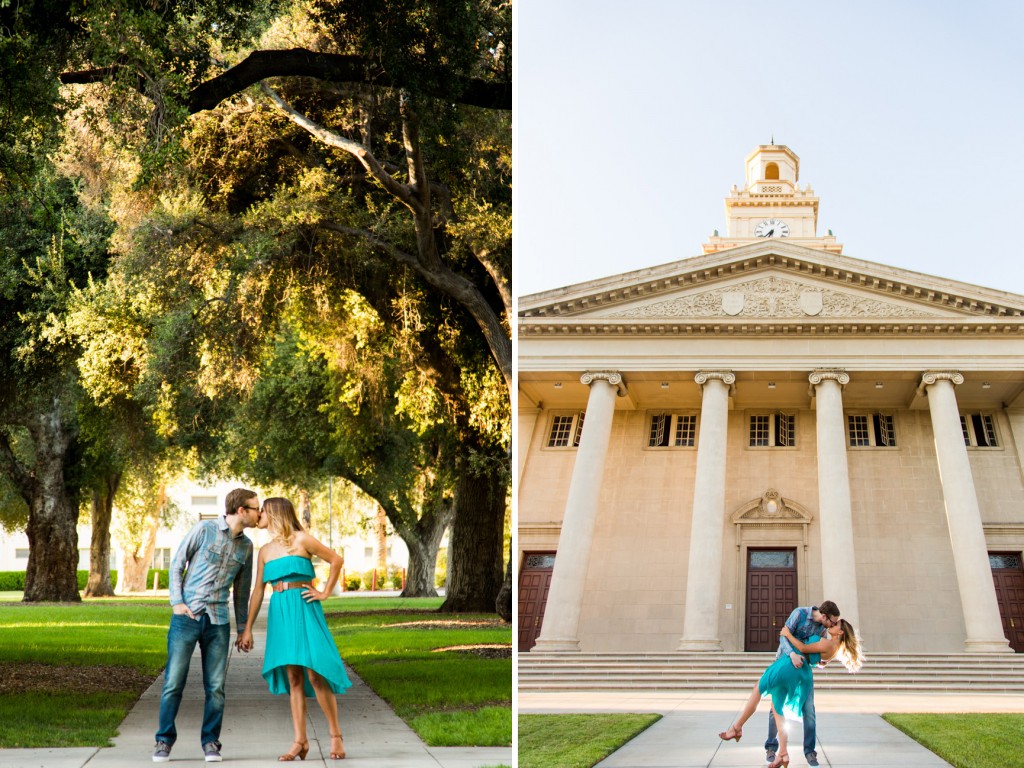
810 731
213 640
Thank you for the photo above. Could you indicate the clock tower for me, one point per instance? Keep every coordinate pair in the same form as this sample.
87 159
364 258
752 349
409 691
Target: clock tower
772 204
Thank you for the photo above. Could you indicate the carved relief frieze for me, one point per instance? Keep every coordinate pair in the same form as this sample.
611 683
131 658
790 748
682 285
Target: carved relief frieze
773 297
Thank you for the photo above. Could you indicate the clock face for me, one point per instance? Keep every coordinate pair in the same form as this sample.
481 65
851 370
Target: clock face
772 228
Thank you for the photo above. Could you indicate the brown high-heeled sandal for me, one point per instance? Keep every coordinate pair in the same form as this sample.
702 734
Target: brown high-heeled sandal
737 733
301 752
337 754
781 761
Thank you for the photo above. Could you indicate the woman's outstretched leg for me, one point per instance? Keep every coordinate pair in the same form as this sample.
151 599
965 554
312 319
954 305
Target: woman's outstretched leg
329 704
736 729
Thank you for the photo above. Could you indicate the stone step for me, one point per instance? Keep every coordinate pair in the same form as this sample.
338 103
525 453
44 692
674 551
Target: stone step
736 671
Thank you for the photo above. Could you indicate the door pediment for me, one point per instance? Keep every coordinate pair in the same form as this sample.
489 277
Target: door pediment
771 509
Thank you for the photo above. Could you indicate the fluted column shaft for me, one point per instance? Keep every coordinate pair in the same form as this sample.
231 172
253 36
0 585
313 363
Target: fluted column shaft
835 514
704 567
963 516
565 596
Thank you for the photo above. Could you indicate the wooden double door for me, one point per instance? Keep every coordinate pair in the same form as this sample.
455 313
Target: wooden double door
1008 575
534 583
771 596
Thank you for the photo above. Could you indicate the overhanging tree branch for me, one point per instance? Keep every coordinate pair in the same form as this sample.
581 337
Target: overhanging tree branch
500 278
453 285
400 191
300 62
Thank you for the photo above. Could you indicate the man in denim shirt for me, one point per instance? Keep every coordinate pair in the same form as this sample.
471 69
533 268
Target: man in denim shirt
803 623
219 558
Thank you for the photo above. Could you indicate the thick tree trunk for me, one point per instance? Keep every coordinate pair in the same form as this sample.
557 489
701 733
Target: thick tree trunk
503 605
51 575
135 568
423 544
477 541
99 584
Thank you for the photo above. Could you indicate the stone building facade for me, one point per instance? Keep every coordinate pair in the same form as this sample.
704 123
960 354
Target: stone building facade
705 444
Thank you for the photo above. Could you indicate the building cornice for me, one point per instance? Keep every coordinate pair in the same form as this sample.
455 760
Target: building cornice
937 327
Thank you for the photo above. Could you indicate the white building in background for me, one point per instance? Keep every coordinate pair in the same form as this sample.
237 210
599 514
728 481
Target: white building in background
705 444
199 501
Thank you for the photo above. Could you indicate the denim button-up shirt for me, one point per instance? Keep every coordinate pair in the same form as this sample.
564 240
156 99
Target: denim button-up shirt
217 562
803 627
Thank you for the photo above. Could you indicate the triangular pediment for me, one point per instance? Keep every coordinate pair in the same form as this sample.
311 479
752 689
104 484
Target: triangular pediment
771 294
762 283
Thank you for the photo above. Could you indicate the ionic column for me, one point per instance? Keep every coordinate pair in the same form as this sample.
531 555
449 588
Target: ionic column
565 596
835 515
963 516
704 567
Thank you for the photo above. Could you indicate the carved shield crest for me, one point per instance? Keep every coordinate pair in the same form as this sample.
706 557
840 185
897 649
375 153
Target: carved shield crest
810 302
732 302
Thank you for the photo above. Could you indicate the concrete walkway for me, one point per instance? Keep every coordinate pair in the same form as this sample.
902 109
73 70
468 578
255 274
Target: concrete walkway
257 728
851 733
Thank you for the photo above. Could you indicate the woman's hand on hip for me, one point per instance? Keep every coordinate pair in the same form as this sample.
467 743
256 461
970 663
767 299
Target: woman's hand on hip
311 593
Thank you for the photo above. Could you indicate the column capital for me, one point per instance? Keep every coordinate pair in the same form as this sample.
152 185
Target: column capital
726 377
819 375
612 377
930 377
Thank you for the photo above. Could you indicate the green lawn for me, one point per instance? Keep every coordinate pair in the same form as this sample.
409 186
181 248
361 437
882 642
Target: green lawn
576 741
967 740
449 697
105 635
109 632
59 719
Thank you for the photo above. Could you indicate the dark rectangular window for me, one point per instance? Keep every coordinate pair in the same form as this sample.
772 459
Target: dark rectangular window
868 430
979 430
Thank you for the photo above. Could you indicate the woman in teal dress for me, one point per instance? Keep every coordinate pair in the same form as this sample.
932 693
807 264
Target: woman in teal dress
301 658
788 685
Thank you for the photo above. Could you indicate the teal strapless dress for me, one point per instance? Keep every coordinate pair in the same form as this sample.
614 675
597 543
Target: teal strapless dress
789 686
297 632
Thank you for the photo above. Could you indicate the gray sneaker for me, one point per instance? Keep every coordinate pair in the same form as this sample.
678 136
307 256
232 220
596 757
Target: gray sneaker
212 752
812 759
769 756
162 752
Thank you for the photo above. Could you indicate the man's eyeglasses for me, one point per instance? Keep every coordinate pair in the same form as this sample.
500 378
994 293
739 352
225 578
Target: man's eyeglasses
254 509
830 622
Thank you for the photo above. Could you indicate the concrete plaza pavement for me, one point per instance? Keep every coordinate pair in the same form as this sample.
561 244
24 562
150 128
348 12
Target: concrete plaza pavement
851 732
257 728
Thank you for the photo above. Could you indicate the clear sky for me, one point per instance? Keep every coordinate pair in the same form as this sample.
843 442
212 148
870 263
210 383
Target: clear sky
633 120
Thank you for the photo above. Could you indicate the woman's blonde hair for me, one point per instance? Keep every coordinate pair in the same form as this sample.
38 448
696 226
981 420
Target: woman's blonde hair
281 520
849 652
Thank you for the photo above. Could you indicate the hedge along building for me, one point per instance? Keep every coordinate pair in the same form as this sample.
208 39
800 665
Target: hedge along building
706 444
